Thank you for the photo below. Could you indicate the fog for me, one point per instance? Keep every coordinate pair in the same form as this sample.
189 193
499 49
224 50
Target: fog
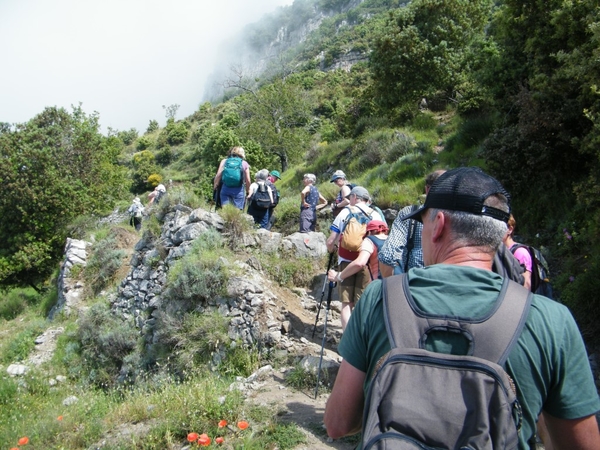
124 59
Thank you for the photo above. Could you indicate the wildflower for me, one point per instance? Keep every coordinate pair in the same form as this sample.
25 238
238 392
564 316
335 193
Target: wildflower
219 440
571 278
222 423
192 437
14 448
59 418
242 424
24 440
204 440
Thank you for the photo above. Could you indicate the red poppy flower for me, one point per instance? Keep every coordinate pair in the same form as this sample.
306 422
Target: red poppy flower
222 423
204 440
59 418
219 440
14 448
242 424
192 437
24 440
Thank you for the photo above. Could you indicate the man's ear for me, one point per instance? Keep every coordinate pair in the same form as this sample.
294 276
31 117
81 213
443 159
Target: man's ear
439 225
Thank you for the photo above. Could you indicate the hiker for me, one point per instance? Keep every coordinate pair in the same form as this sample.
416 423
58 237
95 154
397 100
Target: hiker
374 239
351 287
155 196
464 220
521 254
260 199
273 177
233 178
402 250
311 200
136 212
341 200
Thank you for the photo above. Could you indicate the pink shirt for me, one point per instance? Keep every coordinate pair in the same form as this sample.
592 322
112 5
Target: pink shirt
524 257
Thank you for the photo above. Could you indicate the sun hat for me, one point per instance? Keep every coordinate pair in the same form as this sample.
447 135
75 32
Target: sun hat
337 174
276 174
464 189
377 225
360 192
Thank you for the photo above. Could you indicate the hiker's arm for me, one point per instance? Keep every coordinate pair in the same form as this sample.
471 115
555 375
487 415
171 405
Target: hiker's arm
219 174
248 180
322 202
573 434
527 278
303 197
385 270
332 241
354 267
343 413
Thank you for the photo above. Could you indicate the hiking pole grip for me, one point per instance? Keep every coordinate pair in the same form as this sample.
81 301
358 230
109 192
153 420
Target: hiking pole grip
322 292
331 286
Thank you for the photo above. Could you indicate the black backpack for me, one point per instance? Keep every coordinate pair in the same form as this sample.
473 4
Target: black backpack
540 273
261 197
419 399
275 193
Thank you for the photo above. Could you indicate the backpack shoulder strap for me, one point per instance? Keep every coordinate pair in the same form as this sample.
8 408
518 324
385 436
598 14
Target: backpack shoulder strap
493 335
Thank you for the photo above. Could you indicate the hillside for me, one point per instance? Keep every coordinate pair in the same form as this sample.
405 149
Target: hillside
385 90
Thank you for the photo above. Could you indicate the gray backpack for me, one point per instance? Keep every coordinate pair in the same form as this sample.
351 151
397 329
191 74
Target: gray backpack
419 399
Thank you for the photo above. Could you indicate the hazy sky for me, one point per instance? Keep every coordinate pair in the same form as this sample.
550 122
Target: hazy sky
121 58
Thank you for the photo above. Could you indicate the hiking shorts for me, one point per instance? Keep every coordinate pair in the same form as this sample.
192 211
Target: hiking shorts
352 287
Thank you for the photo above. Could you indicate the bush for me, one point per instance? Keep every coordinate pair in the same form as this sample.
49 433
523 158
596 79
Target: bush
177 134
144 143
15 301
104 341
104 262
201 275
236 224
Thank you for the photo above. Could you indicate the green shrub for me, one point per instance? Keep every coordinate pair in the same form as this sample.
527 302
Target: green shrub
103 341
177 134
236 224
144 143
424 121
14 302
104 262
152 126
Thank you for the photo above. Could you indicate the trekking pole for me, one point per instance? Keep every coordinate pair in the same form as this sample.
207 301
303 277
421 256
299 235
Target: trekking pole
331 286
322 293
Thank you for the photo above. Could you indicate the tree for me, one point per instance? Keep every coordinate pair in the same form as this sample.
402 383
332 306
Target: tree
52 169
422 48
276 116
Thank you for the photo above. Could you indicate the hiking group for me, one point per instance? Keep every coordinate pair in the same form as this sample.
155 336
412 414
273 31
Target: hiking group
451 353
447 342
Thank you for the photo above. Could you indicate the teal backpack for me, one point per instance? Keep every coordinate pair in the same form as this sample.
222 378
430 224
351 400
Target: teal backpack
232 175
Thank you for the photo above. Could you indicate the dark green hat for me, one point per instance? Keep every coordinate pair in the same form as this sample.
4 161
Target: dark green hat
276 174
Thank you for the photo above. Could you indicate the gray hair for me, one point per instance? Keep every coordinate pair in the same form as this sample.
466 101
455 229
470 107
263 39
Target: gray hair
261 175
311 177
475 230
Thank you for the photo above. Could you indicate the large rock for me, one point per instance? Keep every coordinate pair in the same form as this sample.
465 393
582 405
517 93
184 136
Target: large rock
305 245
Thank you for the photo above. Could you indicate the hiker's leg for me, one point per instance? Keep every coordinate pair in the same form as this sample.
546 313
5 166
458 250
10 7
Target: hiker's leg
263 218
346 296
305 220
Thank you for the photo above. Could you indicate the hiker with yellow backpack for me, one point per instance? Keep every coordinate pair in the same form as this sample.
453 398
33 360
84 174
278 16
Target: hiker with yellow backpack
347 233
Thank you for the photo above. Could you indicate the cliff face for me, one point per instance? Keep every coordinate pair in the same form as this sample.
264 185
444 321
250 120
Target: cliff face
266 46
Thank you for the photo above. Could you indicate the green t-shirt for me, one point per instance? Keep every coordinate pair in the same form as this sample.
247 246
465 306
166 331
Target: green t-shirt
549 363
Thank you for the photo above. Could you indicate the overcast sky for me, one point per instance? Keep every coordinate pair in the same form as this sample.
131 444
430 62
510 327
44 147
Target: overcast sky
121 58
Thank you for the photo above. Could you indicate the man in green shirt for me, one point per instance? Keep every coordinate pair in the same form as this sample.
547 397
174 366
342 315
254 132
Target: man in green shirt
464 221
